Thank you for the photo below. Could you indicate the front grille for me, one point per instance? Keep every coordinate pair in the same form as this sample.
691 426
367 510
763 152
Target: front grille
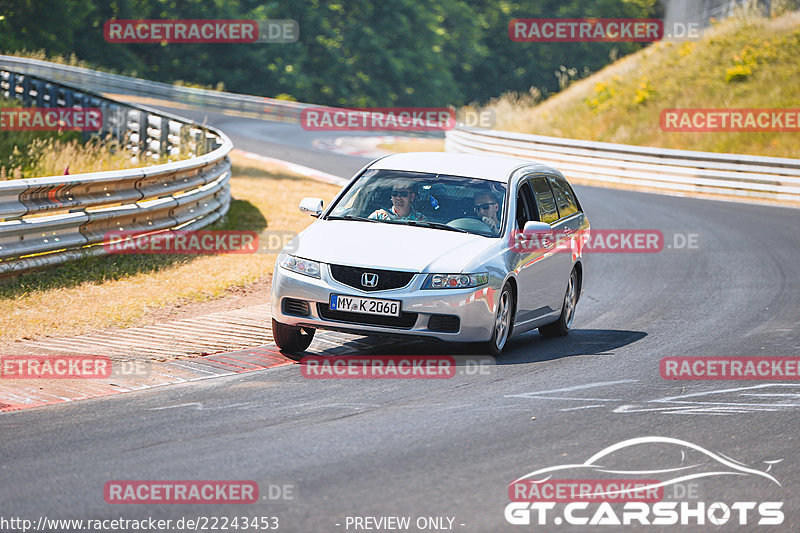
387 279
404 321
444 323
295 307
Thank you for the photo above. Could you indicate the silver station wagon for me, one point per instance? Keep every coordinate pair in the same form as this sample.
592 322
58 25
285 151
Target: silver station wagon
439 246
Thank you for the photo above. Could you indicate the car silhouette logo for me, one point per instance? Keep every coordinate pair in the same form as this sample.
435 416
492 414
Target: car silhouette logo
602 463
369 279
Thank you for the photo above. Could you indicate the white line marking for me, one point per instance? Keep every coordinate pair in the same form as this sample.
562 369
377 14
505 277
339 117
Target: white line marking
576 387
570 398
722 391
581 407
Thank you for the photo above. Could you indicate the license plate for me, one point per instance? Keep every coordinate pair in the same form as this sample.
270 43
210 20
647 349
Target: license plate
367 306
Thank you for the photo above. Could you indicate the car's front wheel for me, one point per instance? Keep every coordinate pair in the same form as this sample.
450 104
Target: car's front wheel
560 327
503 322
291 339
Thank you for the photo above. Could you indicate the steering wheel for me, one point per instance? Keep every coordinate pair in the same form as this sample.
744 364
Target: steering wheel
470 224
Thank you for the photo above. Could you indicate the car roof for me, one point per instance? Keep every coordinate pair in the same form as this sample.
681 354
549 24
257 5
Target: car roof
490 167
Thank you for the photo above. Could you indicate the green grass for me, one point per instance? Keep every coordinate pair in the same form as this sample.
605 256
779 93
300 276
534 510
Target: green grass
744 62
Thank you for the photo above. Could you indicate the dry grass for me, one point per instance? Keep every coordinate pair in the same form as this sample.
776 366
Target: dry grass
121 290
94 156
55 157
622 103
32 154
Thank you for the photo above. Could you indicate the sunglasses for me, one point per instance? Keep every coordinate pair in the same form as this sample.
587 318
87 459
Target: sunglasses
482 207
402 194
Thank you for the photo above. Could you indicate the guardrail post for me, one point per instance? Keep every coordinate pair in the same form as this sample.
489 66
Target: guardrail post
163 145
185 140
52 97
118 123
69 99
208 145
199 145
12 85
40 93
143 123
26 90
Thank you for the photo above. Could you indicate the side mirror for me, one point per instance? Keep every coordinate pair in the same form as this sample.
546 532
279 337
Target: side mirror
534 227
312 206
536 237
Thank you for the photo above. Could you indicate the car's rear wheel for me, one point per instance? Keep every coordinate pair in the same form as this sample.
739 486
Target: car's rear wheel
503 323
561 327
291 340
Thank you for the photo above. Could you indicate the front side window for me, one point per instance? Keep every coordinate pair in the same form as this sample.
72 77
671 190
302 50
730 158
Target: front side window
420 199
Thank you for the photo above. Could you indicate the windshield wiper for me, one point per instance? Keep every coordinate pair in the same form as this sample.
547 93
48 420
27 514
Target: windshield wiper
351 217
437 225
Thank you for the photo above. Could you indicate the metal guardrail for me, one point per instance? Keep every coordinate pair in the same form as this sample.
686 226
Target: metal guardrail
671 171
189 193
113 83
267 108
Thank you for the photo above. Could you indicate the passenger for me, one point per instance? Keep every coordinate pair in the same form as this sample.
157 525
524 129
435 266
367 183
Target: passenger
402 206
487 207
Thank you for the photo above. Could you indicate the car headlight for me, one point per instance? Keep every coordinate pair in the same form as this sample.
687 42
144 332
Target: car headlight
301 266
455 281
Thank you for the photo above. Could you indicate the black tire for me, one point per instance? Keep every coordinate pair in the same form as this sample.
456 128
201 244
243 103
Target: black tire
560 327
291 340
500 335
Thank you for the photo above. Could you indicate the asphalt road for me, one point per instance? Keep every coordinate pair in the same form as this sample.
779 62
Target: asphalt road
449 448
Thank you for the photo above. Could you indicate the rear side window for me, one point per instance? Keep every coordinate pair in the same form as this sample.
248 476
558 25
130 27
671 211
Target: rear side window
567 205
545 201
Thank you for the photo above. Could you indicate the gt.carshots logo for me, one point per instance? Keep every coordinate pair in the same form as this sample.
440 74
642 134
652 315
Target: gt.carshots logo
621 486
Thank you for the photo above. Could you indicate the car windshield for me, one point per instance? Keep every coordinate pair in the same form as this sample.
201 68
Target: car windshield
436 201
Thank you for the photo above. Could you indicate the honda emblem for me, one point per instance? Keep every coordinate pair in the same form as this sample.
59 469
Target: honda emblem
369 279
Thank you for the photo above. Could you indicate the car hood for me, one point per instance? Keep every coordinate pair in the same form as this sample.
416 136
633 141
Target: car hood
388 246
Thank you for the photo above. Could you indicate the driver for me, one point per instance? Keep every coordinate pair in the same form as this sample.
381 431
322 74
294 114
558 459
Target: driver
487 207
402 205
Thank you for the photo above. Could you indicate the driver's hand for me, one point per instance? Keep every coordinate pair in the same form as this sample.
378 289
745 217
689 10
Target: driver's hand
489 222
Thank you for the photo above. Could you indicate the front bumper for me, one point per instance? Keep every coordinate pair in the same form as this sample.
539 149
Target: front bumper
475 308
